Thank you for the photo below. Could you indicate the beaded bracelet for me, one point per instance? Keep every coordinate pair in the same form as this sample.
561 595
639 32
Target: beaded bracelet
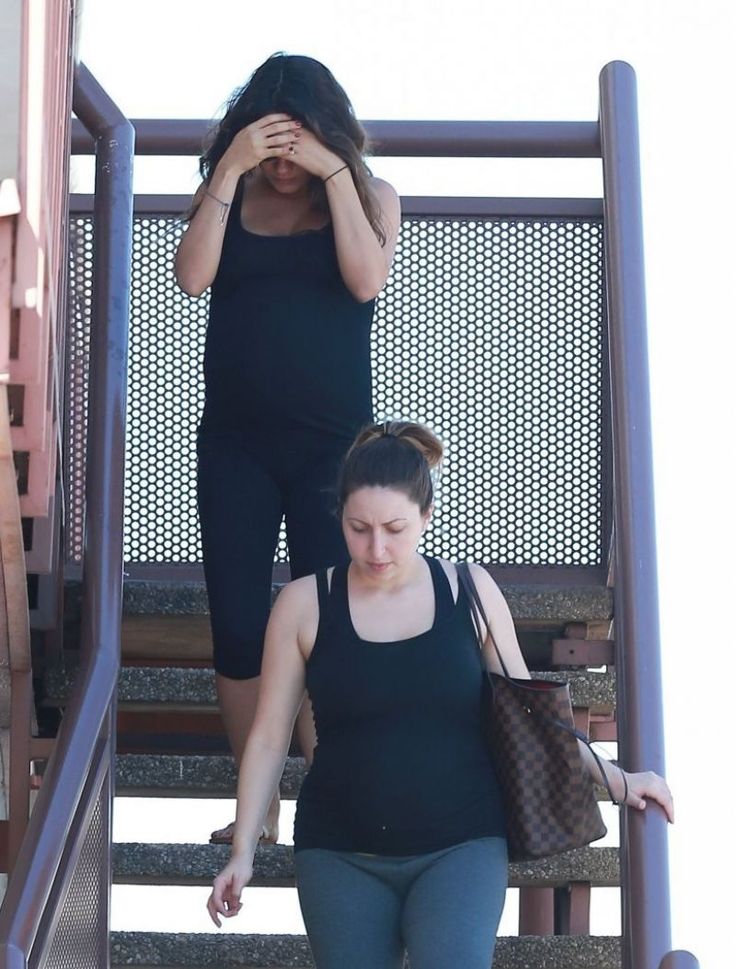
336 172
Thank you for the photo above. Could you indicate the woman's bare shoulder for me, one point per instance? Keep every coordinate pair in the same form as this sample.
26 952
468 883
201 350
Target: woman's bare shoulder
298 594
383 190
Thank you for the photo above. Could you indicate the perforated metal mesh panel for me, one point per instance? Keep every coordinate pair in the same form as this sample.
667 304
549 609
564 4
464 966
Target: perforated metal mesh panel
488 330
80 937
81 239
165 399
491 332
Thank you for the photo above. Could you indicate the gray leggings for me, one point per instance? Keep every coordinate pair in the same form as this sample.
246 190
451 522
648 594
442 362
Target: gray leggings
366 911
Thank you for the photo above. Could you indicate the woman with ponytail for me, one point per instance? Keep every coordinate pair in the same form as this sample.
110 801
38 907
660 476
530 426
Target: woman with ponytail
295 238
399 837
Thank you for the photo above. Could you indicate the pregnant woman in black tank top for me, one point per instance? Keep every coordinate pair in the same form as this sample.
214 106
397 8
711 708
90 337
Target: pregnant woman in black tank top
399 837
295 239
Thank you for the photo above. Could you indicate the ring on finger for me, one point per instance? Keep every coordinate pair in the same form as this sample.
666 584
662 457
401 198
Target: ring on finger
291 149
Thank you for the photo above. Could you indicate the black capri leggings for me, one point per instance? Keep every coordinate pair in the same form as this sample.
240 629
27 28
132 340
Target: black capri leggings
245 487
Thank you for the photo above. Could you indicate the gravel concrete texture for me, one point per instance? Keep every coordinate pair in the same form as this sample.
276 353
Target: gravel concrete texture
146 950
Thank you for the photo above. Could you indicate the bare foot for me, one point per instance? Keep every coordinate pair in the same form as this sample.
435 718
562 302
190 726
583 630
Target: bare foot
270 834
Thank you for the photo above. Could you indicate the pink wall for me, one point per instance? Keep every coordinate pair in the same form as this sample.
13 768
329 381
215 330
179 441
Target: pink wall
30 319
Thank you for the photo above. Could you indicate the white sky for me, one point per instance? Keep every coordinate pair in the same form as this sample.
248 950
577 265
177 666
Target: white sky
537 60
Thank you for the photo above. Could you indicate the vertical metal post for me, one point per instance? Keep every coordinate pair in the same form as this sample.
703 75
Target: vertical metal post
645 885
113 228
536 911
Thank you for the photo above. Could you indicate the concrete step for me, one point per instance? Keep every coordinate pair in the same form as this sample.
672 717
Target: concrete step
528 602
197 864
230 951
174 775
193 689
168 620
192 775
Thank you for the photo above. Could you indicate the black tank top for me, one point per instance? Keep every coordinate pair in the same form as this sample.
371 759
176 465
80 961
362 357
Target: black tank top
400 766
287 344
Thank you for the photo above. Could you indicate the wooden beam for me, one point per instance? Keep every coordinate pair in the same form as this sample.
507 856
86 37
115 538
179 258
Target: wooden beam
583 652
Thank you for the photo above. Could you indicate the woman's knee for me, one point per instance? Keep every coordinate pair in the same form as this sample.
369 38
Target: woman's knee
236 657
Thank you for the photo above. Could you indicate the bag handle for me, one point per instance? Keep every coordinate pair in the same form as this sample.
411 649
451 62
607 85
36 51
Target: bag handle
478 613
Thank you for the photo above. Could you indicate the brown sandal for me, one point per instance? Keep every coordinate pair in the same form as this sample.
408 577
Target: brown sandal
224 836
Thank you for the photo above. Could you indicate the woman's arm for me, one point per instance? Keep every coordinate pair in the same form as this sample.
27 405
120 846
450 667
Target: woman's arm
198 255
364 262
632 789
279 697
502 628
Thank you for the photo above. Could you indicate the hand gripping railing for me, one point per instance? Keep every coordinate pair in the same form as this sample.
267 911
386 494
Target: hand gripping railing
78 780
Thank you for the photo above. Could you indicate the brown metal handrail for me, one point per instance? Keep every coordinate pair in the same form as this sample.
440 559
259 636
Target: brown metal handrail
408 139
79 772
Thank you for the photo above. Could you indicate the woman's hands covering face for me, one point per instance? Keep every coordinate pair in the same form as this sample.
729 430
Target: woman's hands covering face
313 156
273 136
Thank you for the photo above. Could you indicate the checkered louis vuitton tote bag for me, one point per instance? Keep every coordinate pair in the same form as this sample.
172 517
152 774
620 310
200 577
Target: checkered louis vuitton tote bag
528 726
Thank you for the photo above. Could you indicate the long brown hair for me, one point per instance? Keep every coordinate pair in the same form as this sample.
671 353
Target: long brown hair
305 89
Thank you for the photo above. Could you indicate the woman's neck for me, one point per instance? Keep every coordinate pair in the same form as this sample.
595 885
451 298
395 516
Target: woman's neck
266 210
399 578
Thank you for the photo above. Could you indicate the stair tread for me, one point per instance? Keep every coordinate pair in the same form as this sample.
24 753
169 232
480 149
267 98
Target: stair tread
230 950
168 621
212 775
528 602
193 687
201 775
197 864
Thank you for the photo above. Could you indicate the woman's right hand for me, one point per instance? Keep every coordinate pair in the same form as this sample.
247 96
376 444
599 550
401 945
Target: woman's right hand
225 896
269 137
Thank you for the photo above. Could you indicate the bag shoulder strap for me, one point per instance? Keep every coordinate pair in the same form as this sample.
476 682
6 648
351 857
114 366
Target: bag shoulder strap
477 611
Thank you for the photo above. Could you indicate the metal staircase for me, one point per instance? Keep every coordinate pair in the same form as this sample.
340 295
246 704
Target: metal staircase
56 910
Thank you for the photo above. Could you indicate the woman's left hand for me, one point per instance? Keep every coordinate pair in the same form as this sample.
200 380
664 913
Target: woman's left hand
314 157
646 785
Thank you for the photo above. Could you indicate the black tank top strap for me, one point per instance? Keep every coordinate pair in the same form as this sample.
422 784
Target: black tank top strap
443 600
338 601
323 593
